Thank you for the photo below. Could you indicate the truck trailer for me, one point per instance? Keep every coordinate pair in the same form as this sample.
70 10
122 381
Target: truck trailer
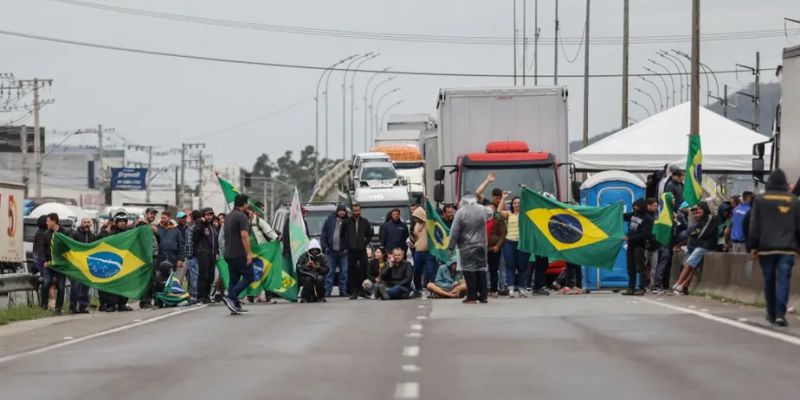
12 249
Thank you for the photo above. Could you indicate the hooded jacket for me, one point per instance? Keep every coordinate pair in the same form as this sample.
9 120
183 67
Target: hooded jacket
676 188
83 235
329 229
204 239
703 233
640 227
39 243
420 235
468 234
394 234
171 244
311 265
775 218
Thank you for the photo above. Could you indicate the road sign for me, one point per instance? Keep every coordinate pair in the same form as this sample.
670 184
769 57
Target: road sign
128 178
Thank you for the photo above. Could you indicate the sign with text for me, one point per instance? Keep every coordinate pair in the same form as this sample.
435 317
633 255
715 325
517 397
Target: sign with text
128 178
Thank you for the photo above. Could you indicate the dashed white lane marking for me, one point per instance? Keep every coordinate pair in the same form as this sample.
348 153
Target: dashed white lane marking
743 320
137 320
416 327
736 324
692 307
407 390
67 337
410 368
96 335
414 335
420 306
421 317
704 309
410 351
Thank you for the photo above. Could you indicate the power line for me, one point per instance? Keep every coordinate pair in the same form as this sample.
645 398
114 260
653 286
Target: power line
412 37
312 67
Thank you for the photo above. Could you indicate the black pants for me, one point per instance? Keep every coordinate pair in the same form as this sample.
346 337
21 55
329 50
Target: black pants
147 297
205 274
111 300
356 270
637 264
78 295
539 272
476 285
47 281
313 288
574 276
494 269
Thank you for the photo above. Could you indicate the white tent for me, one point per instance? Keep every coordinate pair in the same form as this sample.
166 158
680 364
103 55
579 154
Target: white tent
662 139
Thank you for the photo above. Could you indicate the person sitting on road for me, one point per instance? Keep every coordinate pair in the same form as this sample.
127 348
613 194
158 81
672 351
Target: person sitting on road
449 282
312 268
702 239
395 280
376 265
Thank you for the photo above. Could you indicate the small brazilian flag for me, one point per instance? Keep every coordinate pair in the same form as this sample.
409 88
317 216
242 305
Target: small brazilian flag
438 234
662 228
121 264
693 186
173 293
265 257
576 234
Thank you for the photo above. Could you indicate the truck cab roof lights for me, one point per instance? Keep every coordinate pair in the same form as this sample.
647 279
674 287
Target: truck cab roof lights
507 147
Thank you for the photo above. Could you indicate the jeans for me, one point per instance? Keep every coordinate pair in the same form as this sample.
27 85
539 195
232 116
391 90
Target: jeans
336 259
193 276
661 277
398 292
777 270
424 269
476 285
241 276
47 276
516 265
78 295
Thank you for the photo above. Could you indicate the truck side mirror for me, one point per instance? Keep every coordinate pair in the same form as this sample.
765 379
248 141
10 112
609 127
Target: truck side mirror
403 181
758 150
438 175
576 191
758 170
438 192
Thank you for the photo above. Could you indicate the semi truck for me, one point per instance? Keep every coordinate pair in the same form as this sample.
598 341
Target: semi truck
12 249
410 165
788 138
520 134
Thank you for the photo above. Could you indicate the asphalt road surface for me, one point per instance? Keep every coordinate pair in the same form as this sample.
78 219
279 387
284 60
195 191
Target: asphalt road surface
559 347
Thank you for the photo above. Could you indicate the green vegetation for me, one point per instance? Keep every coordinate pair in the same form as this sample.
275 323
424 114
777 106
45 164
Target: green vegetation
22 313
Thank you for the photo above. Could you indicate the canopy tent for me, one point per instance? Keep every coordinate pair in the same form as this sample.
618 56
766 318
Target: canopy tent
662 139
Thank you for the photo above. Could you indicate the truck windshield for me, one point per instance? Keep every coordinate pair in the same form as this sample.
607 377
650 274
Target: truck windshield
377 215
539 178
375 173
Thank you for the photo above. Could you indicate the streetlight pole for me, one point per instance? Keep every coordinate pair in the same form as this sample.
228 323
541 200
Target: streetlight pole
671 79
324 73
344 102
671 59
708 82
372 108
655 105
352 102
655 86
378 105
664 81
640 105
393 105
327 81
367 109
686 72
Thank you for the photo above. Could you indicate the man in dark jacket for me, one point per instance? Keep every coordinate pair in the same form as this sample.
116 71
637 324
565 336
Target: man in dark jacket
111 302
206 251
78 292
335 249
702 239
171 245
774 238
396 277
640 235
675 185
53 226
39 245
357 234
394 233
312 268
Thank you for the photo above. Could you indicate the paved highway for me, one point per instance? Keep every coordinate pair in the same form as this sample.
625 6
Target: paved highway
561 347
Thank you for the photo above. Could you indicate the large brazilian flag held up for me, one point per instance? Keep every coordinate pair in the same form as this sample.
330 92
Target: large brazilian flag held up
120 264
577 234
438 234
693 185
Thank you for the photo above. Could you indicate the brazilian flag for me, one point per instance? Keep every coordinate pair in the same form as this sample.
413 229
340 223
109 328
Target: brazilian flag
265 256
173 293
662 228
230 191
576 234
120 264
438 234
693 186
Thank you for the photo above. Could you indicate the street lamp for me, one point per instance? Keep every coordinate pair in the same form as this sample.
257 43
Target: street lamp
352 102
655 86
660 76
671 59
655 106
378 106
344 102
327 81
671 79
640 105
685 71
367 108
372 121
393 105
325 72
708 82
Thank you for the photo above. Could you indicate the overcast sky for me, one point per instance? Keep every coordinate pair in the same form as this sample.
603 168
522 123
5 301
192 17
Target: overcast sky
162 101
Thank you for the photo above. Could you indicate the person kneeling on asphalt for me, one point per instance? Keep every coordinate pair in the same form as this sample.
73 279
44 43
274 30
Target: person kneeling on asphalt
395 280
449 282
312 268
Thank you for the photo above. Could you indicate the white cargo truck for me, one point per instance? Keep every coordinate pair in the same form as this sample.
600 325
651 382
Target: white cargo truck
12 250
787 152
519 133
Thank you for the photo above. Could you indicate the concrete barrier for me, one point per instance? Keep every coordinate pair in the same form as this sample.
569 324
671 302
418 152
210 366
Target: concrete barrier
735 276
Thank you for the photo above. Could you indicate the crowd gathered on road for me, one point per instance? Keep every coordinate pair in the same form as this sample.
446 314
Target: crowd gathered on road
484 232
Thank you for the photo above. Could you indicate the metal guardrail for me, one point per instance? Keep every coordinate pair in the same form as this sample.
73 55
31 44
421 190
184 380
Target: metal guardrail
17 282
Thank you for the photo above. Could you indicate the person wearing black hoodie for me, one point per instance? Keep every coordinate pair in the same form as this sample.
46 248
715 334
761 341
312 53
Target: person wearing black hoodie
640 235
774 239
78 292
702 239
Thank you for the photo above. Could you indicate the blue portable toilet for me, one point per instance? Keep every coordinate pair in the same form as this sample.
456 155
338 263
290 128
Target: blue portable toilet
600 190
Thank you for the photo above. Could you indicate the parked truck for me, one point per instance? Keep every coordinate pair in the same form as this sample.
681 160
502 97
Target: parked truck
788 137
410 165
12 251
520 134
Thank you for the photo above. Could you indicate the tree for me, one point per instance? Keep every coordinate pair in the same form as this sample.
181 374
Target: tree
294 172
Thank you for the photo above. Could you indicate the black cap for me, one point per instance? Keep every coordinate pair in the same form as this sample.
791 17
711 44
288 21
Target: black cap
120 215
150 210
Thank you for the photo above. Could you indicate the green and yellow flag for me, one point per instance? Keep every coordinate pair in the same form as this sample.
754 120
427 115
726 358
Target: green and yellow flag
577 234
693 185
173 293
662 228
438 234
265 258
230 191
121 264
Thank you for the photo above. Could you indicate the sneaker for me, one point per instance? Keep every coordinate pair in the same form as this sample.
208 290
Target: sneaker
782 322
483 301
522 293
354 297
468 301
678 292
145 306
229 303
770 319
658 292
512 294
628 292
503 292
638 292
493 295
540 292
241 310
323 300
124 307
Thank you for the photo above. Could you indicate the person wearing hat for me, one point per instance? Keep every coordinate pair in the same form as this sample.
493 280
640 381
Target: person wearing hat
110 302
206 251
449 281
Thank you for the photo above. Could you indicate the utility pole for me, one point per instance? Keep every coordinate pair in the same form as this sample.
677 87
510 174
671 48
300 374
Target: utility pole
586 80
200 167
149 173
694 124
723 101
555 50
536 42
524 40
756 97
23 140
101 176
184 161
35 84
514 41
625 45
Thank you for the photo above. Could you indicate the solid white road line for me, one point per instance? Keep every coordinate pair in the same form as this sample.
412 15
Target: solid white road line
410 351
407 390
736 324
96 335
